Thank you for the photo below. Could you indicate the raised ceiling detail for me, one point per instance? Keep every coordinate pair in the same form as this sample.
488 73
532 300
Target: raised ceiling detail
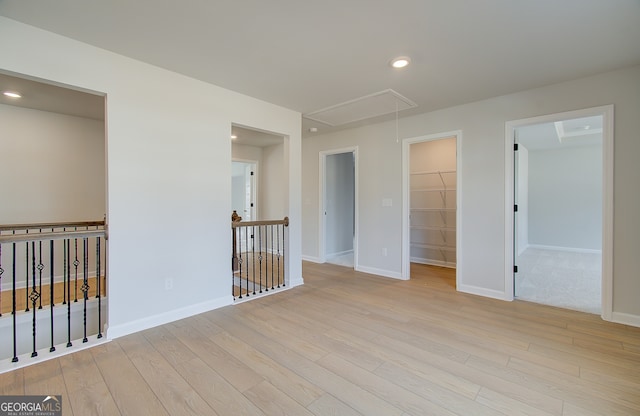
586 131
363 108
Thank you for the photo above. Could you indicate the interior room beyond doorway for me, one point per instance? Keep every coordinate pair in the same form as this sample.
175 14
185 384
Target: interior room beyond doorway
339 208
433 202
559 218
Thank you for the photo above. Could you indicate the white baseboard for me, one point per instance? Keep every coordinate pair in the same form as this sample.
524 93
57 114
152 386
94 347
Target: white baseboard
569 249
379 272
117 331
342 253
312 259
522 248
626 319
481 291
296 282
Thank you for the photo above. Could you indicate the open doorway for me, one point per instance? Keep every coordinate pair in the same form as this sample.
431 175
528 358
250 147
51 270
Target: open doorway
558 225
258 174
338 211
259 194
54 195
560 182
431 192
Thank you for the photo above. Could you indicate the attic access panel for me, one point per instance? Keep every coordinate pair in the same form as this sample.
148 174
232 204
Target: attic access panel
369 106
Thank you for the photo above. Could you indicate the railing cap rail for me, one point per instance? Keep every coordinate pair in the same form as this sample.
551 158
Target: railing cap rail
37 226
56 235
236 224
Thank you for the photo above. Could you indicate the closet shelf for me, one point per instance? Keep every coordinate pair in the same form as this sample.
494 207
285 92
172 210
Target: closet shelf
433 190
433 209
431 227
441 252
433 246
432 172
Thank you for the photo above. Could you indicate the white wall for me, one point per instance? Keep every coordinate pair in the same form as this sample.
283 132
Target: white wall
273 195
51 167
244 152
433 155
340 177
482 253
168 174
565 197
379 178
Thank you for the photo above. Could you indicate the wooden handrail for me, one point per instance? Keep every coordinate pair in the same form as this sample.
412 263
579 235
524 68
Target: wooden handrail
236 224
56 235
16 227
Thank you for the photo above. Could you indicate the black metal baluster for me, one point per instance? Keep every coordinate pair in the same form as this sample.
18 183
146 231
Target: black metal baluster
246 248
272 262
75 265
260 258
51 297
234 260
278 256
99 289
33 296
240 259
284 255
68 261
64 271
13 308
266 257
253 256
40 267
85 284
26 274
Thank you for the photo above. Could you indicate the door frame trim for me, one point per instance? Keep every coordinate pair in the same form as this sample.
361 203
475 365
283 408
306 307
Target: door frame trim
607 196
322 250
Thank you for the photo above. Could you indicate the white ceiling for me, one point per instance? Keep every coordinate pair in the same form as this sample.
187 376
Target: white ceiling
308 56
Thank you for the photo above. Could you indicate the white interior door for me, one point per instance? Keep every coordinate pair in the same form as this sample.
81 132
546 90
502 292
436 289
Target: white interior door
243 189
250 192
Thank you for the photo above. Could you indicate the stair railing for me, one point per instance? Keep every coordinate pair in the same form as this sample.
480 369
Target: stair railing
48 269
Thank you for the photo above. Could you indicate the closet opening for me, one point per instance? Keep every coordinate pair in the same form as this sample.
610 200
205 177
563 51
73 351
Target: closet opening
431 208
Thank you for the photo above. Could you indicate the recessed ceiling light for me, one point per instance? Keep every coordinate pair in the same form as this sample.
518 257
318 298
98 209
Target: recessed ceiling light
233 137
400 62
12 94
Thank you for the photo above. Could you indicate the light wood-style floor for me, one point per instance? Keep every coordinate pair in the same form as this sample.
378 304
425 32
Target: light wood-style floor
348 343
6 296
